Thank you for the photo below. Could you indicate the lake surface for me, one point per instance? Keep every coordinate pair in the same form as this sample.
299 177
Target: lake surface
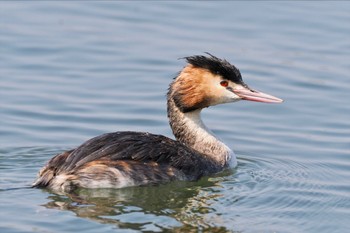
73 70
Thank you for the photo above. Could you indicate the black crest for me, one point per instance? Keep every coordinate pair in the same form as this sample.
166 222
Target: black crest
216 66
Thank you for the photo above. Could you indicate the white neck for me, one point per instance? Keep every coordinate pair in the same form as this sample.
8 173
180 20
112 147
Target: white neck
189 129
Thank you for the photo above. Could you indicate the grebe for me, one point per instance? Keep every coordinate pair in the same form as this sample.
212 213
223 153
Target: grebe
120 159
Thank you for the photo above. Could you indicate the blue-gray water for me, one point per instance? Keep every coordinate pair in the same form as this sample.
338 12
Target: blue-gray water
73 70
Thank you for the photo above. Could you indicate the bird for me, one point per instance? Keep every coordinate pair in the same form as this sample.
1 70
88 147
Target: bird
127 158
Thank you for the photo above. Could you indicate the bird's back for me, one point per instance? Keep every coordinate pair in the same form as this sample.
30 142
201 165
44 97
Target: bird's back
120 159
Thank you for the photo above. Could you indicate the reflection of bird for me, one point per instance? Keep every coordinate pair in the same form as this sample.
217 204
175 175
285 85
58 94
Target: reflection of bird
120 159
181 203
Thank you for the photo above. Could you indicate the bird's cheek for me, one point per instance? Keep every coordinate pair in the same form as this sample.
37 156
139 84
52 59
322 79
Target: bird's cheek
231 97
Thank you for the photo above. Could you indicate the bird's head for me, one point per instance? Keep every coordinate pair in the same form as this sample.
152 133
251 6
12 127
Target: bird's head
207 81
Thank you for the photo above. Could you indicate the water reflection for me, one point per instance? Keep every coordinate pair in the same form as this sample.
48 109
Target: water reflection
177 206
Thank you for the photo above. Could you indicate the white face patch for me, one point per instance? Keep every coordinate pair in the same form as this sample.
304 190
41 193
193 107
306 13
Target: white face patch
221 94
229 97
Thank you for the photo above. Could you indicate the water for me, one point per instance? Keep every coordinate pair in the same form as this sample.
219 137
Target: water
73 70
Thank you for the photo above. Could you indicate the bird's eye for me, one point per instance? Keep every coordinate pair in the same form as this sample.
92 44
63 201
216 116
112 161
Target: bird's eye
224 83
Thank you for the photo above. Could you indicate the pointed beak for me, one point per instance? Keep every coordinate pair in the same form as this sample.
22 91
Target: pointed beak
252 95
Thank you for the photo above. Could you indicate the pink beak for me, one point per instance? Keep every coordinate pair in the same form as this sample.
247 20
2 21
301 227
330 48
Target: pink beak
248 94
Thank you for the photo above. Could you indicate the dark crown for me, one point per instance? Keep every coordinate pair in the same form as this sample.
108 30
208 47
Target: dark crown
216 66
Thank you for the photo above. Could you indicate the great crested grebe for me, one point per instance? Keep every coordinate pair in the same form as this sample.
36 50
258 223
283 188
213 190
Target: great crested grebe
120 159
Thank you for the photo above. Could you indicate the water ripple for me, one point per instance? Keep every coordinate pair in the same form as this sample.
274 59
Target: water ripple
71 71
286 189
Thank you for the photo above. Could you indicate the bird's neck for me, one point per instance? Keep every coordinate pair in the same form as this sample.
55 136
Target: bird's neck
190 130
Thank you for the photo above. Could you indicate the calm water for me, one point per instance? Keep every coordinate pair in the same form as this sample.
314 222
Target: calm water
73 70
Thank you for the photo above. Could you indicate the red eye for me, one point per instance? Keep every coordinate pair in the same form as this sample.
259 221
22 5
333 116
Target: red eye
224 83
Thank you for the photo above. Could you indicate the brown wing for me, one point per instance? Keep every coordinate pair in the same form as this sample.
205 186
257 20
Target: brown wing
135 146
